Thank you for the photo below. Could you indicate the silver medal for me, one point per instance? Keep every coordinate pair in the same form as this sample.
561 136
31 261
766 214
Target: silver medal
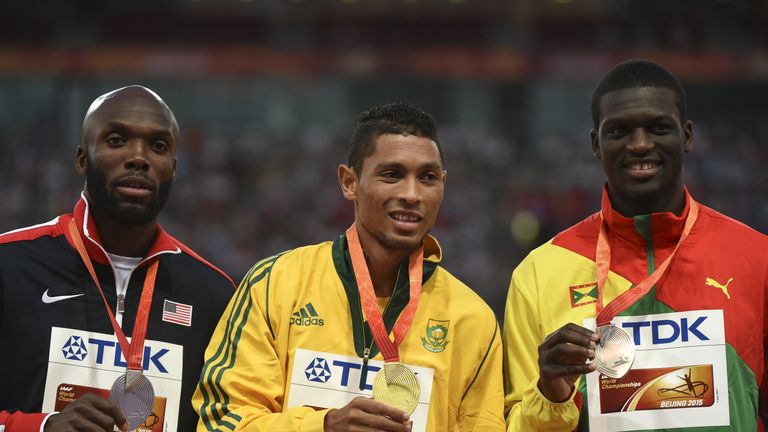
133 394
615 352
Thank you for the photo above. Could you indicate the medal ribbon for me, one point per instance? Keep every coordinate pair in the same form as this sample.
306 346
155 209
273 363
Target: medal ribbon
603 263
387 347
134 350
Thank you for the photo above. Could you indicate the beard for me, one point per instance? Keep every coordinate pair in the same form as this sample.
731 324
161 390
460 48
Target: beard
104 202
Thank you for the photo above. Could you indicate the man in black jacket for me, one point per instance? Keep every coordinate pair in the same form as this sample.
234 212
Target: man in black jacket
64 326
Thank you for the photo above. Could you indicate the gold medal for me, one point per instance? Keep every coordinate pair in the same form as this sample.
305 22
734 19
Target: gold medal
396 385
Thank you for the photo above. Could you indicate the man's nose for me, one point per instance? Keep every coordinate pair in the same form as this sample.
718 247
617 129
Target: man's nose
640 141
137 155
409 190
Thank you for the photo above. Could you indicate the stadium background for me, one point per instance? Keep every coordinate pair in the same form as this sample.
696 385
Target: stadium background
266 93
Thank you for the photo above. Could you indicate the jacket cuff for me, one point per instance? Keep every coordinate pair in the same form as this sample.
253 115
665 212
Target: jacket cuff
544 415
45 420
314 421
24 422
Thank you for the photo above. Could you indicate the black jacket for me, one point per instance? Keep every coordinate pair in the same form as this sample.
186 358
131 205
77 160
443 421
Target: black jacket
39 266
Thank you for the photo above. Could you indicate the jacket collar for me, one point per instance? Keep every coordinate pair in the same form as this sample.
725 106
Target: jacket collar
665 227
162 244
432 251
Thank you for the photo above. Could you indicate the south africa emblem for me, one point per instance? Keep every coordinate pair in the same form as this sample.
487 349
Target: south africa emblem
437 335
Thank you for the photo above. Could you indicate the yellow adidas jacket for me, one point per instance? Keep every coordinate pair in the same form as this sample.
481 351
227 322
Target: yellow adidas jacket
290 345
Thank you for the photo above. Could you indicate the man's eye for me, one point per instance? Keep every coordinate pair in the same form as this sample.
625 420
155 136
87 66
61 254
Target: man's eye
160 146
660 128
618 132
115 140
430 176
391 175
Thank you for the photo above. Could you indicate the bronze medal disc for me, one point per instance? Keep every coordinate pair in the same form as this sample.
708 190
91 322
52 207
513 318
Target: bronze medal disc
396 385
615 352
133 394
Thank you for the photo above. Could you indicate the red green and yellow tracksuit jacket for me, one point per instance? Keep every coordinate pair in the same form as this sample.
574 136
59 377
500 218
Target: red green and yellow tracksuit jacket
291 343
700 332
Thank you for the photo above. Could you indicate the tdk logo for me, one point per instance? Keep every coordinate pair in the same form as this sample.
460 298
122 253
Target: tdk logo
306 316
666 331
346 367
318 370
109 353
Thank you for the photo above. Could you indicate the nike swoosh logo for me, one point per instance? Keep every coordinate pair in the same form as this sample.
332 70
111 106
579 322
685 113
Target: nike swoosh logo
49 299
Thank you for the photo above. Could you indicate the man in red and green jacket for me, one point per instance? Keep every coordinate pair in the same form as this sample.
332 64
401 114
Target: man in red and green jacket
699 329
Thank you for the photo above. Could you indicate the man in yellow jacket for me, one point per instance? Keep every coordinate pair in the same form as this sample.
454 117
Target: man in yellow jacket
300 345
679 280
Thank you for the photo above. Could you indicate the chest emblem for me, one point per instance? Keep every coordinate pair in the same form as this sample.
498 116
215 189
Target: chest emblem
436 338
713 283
582 295
307 316
177 313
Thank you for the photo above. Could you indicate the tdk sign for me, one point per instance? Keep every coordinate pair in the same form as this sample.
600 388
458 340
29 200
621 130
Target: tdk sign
675 329
106 352
667 331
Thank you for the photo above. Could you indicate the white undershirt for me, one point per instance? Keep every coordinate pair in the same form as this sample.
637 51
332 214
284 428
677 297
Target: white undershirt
123 268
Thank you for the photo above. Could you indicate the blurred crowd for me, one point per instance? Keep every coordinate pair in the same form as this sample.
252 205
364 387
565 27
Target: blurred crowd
245 194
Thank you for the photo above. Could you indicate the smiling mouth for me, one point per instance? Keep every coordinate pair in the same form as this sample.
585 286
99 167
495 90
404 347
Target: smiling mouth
408 218
643 166
643 169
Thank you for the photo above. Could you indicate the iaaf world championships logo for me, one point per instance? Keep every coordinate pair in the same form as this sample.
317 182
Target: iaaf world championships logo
660 388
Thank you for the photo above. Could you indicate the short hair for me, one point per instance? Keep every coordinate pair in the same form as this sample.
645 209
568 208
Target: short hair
394 118
637 73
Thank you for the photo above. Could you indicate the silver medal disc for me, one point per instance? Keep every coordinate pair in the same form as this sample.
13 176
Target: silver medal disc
615 351
133 394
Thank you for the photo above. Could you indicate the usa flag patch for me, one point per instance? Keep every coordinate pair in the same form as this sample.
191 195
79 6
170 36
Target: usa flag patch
177 313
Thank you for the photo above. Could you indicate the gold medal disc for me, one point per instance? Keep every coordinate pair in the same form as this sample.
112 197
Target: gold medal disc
396 385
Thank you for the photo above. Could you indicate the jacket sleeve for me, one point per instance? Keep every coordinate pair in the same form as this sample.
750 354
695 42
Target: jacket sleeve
243 379
482 406
526 409
21 422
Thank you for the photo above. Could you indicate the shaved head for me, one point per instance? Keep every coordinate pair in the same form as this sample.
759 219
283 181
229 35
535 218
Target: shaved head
124 96
128 155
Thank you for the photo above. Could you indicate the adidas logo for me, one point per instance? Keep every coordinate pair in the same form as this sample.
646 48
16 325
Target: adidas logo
306 316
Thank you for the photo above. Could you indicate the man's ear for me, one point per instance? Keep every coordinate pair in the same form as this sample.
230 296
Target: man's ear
81 160
348 182
174 169
688 135
595 143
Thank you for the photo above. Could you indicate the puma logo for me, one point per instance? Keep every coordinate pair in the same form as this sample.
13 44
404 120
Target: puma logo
713 283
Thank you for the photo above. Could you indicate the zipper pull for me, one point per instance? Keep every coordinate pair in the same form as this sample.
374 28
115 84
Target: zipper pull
364 370
120 303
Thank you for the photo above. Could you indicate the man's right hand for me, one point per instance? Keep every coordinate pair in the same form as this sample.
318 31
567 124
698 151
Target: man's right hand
89 413
563 358
364 414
